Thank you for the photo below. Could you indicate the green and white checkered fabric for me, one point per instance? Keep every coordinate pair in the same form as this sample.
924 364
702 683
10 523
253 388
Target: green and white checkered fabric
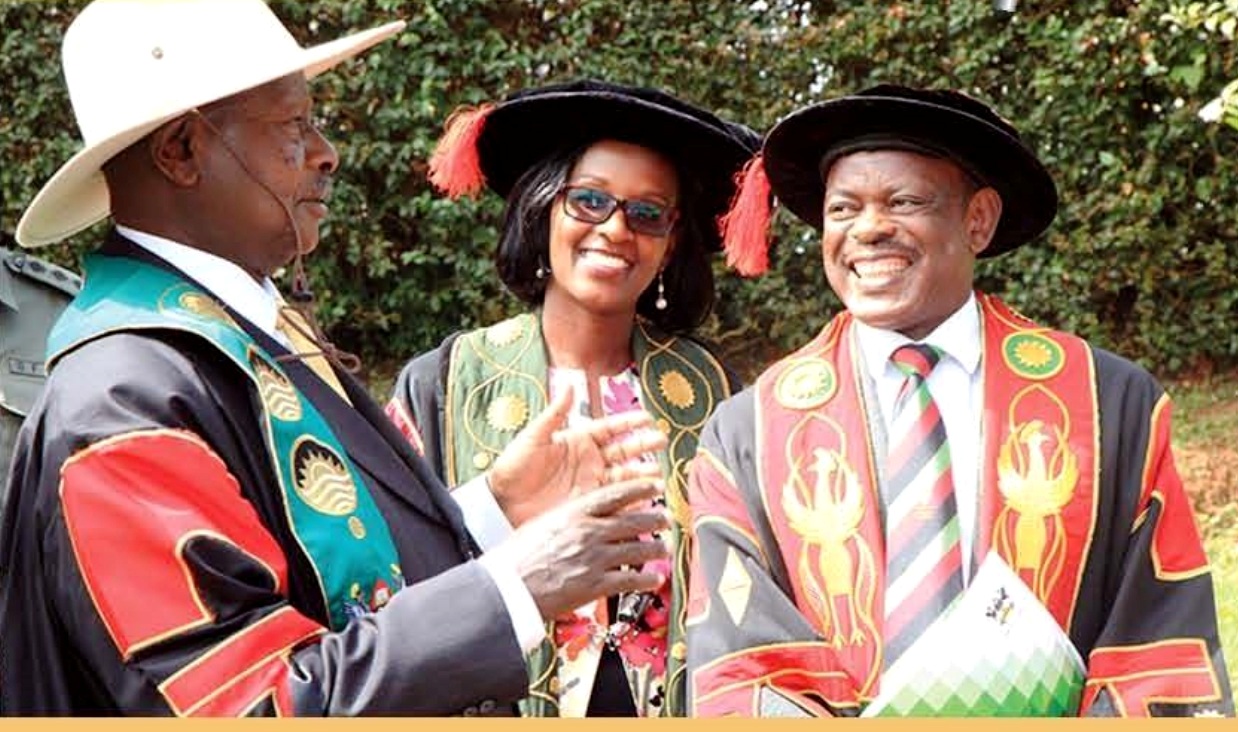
997 653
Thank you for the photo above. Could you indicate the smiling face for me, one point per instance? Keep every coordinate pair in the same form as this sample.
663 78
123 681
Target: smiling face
266 169
603 268
901 235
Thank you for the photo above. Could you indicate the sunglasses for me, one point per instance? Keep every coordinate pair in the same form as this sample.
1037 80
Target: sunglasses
594 207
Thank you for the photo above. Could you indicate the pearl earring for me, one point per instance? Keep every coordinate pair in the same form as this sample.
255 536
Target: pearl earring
542 271
660 303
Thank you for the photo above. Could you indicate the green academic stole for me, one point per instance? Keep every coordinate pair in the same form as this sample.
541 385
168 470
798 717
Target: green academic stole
497 381
818 480
329 508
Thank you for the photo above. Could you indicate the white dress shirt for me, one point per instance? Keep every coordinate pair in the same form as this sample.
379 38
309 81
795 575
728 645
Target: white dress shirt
955 385
259 303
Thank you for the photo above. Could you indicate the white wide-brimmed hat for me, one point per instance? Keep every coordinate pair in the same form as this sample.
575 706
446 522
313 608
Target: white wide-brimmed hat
132 65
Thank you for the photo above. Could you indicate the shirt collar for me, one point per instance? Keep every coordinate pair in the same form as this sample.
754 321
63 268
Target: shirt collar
257 302
958 337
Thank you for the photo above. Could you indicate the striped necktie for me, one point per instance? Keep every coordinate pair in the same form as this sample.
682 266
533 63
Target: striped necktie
924 568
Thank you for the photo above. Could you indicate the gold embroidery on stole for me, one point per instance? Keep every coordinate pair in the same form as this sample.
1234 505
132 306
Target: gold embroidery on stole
1037 473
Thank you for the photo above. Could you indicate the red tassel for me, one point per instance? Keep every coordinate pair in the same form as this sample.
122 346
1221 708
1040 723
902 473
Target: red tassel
455 167
745 226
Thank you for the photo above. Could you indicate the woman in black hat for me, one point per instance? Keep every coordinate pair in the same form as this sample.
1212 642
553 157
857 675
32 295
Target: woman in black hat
613 193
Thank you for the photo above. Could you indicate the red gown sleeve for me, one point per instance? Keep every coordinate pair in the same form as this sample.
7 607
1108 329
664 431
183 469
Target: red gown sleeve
175 564
1159 653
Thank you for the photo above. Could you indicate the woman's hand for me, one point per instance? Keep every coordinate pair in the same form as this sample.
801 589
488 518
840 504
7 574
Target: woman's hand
549 463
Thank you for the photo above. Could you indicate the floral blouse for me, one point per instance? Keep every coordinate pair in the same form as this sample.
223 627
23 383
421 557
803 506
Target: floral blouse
581 637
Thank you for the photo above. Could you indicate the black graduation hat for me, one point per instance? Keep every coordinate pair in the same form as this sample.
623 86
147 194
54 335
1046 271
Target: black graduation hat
492 145
799 149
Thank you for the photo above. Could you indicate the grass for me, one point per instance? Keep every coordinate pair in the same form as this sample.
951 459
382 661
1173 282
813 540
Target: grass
1205 428
1222 548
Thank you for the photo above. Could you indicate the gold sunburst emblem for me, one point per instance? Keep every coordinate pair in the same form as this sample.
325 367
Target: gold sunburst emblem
507 413
277 392
1033 354
504 333
676 389
204 306
806 385
323 482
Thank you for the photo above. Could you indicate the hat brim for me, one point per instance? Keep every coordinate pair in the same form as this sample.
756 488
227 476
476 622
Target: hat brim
520 132
795 147
76 196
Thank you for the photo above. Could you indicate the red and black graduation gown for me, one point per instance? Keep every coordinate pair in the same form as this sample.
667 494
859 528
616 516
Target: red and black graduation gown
180 586
1104 536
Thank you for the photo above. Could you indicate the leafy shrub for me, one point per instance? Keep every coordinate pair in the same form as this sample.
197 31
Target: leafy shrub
1142 257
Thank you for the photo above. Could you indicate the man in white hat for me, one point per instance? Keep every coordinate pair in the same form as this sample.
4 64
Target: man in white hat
206 515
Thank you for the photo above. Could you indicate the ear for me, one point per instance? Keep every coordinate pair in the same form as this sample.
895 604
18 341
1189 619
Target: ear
984 210
176 148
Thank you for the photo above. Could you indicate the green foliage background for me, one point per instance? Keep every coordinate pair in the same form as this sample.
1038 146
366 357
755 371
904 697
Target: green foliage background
1142 257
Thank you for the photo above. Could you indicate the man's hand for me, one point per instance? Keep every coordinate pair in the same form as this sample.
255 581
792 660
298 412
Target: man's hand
584 548
548 463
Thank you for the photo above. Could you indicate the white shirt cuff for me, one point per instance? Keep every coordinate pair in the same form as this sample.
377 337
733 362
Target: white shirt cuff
521 607
482 515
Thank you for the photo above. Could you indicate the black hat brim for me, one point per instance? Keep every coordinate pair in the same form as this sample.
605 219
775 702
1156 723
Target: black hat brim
522 131
796 146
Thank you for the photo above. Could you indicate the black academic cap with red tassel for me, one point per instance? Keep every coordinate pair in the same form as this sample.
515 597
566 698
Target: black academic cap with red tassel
492 145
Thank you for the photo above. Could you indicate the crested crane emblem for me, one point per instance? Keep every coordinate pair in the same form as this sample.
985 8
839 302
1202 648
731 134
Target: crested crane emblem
1037 475
830 521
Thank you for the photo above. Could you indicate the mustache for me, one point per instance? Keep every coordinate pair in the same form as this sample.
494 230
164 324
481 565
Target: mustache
320 192
881 247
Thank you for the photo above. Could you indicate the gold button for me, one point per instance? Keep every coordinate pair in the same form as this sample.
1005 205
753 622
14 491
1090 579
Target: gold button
664 427
481 460
356 527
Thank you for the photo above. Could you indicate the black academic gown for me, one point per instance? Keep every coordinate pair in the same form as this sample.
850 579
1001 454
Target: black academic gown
165 416
1130 585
